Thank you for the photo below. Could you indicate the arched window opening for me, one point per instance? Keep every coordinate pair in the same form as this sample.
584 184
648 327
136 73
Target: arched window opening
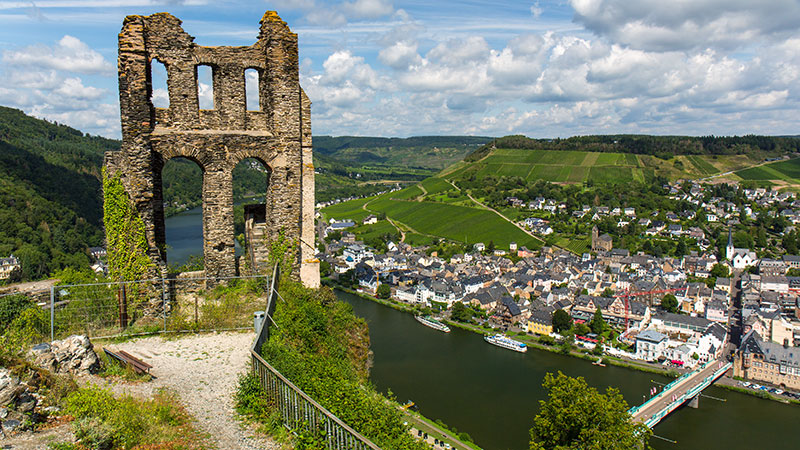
182 188
250 184
251 90
205 86
159 93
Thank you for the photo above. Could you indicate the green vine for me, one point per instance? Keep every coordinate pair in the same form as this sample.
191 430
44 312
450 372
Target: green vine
283 251
125 233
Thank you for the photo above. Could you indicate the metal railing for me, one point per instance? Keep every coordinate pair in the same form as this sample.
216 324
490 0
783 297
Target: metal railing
299 412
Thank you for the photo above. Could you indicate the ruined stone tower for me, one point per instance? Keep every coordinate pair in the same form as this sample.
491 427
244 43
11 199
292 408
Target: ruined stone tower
278 134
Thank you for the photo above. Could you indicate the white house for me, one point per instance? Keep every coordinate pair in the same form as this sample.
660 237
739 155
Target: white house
650 344
741 258
8 266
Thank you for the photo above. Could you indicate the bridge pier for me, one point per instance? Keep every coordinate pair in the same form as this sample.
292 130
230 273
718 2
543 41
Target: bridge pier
694 402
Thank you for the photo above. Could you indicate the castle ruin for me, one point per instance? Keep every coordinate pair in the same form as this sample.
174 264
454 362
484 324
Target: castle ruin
278 135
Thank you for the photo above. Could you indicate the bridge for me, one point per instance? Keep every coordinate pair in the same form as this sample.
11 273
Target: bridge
685 389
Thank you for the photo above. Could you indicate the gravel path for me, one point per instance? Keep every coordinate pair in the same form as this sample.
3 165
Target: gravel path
203 370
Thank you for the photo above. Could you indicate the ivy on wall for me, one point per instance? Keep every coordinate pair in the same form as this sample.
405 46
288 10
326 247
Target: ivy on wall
283 251
125 233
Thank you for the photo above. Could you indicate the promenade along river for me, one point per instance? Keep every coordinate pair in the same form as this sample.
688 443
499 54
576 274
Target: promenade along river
493 393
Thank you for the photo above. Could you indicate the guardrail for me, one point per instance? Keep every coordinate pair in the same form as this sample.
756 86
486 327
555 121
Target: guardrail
680 399
299 412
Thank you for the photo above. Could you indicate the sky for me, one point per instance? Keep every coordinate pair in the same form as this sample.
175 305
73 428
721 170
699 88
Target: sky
408 68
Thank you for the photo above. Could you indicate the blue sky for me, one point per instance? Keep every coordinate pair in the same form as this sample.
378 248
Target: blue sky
403 68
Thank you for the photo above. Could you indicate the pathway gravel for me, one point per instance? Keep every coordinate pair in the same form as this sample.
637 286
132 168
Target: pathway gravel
203 370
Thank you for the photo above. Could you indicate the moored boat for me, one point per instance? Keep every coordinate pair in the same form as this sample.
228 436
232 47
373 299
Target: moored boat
501 340
429 321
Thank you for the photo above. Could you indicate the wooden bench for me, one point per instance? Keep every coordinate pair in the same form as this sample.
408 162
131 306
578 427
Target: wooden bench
126 358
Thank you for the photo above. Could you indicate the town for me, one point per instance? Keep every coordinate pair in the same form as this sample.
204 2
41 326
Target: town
676 311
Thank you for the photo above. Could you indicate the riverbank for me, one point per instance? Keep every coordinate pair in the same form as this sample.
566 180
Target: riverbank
480 389
732 384
529 340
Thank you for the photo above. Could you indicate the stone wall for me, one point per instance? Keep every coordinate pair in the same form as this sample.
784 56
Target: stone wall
278 135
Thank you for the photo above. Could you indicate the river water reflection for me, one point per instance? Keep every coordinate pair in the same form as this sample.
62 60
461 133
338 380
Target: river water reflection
493 393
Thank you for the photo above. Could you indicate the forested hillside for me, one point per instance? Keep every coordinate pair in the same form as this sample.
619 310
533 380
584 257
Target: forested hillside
50 201
659 146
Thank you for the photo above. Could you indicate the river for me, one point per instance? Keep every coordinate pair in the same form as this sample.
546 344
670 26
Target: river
184 235
492 393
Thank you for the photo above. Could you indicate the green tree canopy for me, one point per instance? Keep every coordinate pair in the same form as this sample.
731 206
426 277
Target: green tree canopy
670 303
598 324
461 313
384 291
577 416
561 321
720 270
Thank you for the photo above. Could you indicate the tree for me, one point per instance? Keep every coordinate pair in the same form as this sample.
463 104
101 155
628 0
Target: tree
761 237
460 312
384 291
607 292
324 269
598 324
576 416
670 303
561 321
680 248
720 271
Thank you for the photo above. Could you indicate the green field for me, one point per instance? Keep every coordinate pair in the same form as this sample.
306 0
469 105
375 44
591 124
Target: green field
435 185
352 210
560 166
408 193
366 232
790 168
760 173
457 223
702 165
788 171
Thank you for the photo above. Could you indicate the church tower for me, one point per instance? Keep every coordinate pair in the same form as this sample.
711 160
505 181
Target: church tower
729 249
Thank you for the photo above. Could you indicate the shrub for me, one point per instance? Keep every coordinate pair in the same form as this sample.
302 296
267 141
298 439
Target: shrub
10 307
29 327
324 349
93 434
129 422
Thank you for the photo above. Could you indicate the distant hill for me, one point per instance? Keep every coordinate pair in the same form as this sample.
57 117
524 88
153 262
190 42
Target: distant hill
350 165
659 146
51 208
50 189
426 152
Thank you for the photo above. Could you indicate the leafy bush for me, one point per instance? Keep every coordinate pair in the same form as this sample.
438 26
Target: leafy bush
106 422
32 325
10 307
94 434
324 349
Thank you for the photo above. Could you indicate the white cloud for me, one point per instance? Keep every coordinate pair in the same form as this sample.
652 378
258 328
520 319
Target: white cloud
536 10
368 9
69 54
41 81
685 24
400 55
331 14
73 88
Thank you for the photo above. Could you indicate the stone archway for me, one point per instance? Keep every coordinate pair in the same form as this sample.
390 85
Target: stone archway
278 134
